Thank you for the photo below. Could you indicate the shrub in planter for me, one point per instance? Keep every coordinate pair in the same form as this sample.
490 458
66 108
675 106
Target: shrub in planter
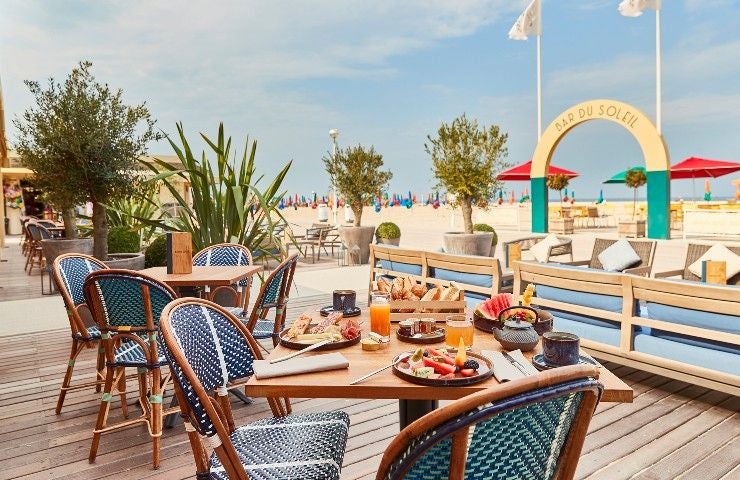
484 227
122 239
156 253
388 233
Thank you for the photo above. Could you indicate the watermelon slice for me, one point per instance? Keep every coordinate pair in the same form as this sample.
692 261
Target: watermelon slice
492 307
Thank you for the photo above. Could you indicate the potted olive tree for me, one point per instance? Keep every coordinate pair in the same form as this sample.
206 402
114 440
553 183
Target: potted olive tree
466 159
563 224
356 171
82 142
388 233
634 179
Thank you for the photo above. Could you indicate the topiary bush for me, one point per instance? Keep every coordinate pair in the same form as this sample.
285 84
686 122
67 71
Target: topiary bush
388 230
156 253
122 239
484 227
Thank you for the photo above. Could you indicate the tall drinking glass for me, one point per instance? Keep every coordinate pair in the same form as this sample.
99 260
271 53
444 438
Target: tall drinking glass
380 314
459 327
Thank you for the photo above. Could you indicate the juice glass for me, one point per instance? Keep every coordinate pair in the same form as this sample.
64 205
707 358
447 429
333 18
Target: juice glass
457 327
380 313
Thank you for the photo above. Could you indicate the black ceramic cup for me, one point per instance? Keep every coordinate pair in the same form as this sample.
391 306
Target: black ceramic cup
560 348
344 299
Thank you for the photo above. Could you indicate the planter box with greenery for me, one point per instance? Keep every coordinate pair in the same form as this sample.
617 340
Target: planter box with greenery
635 178
357 173
388 233
124 247
466 159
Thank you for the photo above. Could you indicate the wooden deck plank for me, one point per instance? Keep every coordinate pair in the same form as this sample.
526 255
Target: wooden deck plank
671 427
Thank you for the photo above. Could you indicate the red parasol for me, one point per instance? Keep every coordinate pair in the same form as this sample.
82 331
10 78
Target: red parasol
521 172
694 167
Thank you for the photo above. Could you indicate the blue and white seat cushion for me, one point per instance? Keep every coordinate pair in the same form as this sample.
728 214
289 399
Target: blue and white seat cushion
130 354
297 447
93 333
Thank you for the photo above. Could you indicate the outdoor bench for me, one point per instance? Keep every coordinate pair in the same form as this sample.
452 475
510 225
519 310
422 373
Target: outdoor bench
688 331
479 277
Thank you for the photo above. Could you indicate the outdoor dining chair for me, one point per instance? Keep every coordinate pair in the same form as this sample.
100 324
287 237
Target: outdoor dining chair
694 253
129 304
227 254
272 295
530 428
36 254
70 271
563 247
315 238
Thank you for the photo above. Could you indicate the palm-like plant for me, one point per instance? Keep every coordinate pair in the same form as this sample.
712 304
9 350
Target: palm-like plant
227 205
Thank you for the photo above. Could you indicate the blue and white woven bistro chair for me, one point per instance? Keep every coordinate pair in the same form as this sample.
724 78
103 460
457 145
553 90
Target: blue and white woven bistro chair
272 295
227 254
209 351
70 271
129 304
528 429
36 254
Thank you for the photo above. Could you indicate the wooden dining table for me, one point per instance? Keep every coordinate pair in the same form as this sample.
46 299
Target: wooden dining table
414 400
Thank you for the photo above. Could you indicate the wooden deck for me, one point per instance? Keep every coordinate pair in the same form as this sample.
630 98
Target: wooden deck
672 429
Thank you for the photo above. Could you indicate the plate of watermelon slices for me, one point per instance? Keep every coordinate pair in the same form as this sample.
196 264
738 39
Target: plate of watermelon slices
440 367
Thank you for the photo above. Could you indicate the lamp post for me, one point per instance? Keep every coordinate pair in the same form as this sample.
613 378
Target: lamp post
334 133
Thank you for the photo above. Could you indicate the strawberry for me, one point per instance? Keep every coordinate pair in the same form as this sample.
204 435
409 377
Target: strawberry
467 372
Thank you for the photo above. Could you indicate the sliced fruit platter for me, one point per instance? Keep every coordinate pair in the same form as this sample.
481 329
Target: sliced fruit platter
339 331
442 367
492 313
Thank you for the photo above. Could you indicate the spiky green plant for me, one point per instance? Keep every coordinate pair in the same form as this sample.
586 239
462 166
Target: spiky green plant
227 205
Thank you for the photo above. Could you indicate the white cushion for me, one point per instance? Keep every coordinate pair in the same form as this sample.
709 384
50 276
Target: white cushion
718 253
619 256
542 248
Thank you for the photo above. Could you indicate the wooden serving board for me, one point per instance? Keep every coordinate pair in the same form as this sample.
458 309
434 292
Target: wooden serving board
284 341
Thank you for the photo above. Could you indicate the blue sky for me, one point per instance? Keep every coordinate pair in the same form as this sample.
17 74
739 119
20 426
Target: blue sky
387 73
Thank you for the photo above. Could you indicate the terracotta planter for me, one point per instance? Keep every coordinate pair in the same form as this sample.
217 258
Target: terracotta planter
388 241
357 240
468 243
52 248
128 261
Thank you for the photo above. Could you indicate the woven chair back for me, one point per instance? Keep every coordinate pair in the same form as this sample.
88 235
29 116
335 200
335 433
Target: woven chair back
694 253
645 249
124 299
35 230
224 254
46 223
274 293
207 349
70 271
530 434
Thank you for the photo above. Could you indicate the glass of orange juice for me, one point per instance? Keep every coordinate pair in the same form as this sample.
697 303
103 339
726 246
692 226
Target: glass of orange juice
380 314
457 327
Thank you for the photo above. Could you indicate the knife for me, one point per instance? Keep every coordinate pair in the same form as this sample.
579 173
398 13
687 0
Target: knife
516 364
300 352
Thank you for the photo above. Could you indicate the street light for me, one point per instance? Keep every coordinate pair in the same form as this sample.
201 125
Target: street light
334 133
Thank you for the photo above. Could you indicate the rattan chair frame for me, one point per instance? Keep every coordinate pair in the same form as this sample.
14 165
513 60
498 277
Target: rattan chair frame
151 390
645 249
565 247
240 294
216 404
81 339
694 253
452 421
261 309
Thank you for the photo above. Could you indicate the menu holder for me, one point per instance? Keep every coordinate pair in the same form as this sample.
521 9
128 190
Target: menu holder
714 272
513 253
179 253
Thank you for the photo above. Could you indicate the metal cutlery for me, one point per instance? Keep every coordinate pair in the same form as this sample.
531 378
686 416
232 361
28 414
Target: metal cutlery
300 352
364 377
516 364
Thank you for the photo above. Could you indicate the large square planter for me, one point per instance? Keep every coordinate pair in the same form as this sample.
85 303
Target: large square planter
563 225
458 243
631 228
127 261
54 247
357 240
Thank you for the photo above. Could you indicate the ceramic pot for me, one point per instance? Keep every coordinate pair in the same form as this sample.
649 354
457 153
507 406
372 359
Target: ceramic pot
458 243
127 261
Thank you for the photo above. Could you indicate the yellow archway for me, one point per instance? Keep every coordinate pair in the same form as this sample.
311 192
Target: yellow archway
654 151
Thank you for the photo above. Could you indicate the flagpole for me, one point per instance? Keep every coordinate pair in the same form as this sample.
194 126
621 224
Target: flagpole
539 86
658 115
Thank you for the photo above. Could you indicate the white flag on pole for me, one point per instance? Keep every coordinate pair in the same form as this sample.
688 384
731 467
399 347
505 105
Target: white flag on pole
528 23
634 8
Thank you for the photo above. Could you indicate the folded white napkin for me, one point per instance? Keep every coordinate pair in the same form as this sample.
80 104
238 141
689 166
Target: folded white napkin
504 370
302 364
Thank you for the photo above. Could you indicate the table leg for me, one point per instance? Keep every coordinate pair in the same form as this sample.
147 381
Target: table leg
411 410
